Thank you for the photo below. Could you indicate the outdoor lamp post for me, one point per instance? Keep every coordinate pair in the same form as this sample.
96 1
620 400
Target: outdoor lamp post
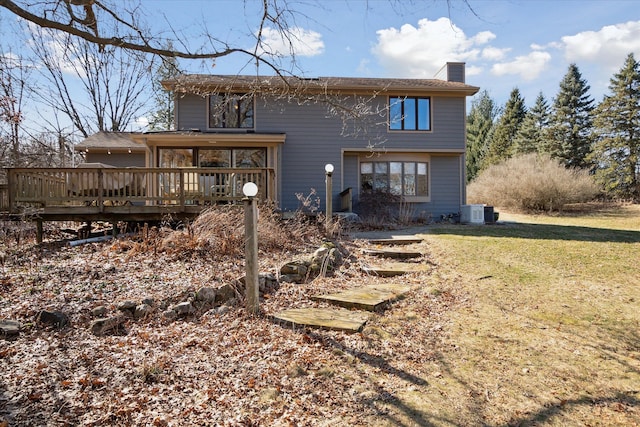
328 169
250 190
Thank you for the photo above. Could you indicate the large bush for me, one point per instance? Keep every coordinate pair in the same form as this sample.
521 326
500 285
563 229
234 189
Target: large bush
532 182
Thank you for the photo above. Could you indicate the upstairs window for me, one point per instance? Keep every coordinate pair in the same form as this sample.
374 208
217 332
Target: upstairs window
231 111
409 113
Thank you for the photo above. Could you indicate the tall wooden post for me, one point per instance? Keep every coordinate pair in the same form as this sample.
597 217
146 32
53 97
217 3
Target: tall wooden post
251 249
329 197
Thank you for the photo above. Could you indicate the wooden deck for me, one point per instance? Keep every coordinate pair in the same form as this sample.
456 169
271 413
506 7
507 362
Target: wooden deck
125 194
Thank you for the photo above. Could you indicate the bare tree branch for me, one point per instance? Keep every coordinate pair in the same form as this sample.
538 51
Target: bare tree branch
121 42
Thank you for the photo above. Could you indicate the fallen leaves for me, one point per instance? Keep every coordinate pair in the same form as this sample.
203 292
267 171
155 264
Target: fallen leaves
215 369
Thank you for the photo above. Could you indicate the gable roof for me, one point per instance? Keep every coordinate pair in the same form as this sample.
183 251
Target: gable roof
207 83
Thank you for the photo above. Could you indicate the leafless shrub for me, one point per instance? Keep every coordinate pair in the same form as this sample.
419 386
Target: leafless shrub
532 182
380 209
218 233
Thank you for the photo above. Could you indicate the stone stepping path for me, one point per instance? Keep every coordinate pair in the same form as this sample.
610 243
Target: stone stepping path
326 318
395 254
370 298
395 241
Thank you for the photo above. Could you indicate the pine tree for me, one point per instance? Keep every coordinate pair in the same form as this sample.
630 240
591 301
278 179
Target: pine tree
501 146
533 133
480 125
163 117
571 124
616 153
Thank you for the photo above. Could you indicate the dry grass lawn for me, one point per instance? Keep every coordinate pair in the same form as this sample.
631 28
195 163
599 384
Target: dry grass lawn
548 331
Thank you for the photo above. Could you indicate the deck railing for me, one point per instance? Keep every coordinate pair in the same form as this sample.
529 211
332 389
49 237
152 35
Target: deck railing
111 187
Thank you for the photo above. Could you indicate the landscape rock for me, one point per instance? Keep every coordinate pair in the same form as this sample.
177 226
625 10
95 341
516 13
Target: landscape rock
206 294
102 326
149 301
225 293
127 307
295 267
169 315
99 311
9 328
183 308
291 278
141 311
56 319
267 282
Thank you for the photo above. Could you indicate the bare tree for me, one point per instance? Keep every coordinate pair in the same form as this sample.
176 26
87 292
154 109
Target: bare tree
118 23
114 82
13 78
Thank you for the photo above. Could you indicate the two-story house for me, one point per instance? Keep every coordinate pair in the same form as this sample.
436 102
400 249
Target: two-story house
404 136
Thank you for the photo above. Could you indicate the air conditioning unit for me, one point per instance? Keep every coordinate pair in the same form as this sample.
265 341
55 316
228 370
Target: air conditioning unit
472 214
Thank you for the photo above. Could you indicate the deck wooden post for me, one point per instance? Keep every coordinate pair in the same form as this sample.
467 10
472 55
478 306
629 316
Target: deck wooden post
251 251
39 231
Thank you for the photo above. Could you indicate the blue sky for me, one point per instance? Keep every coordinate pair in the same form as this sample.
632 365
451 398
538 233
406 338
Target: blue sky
505 43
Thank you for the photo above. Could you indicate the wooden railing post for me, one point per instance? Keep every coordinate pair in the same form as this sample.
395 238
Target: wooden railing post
100 200
182 189
11 188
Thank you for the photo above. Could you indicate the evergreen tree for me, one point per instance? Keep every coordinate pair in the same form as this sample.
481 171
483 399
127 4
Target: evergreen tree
616 153
501 146
480 124
571 124
163 117
533 133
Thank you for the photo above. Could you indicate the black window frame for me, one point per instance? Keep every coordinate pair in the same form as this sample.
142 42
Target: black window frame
221 109
410 116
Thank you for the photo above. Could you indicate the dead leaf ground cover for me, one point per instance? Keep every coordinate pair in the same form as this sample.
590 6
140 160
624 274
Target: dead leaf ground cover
518 324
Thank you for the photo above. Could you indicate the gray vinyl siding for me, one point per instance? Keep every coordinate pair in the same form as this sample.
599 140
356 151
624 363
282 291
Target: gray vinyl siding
191 112
314 138
445 186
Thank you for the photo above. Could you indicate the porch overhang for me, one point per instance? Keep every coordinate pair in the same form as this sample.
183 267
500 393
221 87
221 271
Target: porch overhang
191 138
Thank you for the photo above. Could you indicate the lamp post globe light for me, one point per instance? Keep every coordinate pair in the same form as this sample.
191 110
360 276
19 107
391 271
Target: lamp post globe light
328 169
250 190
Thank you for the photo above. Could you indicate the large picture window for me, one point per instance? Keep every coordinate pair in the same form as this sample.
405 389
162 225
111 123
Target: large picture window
212 157
231 111
409 113
399 178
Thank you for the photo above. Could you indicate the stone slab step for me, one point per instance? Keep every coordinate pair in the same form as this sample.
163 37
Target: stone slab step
396 241
397 268
325 318
391 253
369 298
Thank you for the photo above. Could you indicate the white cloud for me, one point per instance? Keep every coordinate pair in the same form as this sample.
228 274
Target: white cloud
420 52
59 51
297 41
607 46
528 67
493 53
473 70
